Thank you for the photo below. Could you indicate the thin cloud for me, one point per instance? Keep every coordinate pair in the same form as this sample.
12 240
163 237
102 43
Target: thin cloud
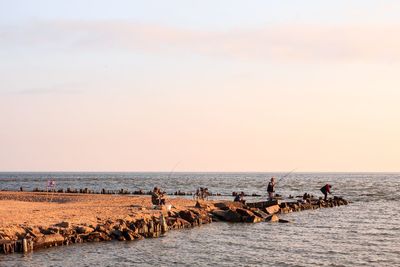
47 91
276 43
66 89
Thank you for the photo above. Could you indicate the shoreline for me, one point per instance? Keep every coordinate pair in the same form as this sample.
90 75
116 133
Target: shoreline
29 221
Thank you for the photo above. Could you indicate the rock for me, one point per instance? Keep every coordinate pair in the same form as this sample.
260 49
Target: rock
188 215
245 212
272 218
141 227
66 231
63 224
263 204
182 223
116 233
177 223
202 215
102 228
33 232
93 237
286 210
227 215
48 241
285 205
172 213
259 213
202 205
249 216
83 229
49 231
294 207
272 209
253 219
130 235
229 205
75 239
97 237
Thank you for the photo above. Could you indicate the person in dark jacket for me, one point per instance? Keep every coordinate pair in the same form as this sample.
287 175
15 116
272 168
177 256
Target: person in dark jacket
157 197
325 190
240 198
271 188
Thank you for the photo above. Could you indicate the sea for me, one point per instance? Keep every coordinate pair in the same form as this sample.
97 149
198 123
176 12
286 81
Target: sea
364 233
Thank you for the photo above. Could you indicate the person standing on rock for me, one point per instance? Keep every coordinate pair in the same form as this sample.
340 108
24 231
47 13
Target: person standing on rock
325 190
271 188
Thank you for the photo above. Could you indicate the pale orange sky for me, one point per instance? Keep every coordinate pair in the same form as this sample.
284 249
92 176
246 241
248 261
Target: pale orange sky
109 92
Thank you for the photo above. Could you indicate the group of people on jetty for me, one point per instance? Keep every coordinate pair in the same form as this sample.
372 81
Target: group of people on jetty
158 197
326 189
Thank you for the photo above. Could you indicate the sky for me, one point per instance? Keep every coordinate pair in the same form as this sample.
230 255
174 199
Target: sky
220 85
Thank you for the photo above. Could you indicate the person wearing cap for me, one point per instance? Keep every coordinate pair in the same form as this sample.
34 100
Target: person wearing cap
271 188
325 190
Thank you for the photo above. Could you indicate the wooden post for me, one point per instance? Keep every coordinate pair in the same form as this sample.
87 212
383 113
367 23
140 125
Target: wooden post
24 245
163 222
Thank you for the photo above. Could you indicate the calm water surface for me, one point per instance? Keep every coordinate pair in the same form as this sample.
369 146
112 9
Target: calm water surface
365 233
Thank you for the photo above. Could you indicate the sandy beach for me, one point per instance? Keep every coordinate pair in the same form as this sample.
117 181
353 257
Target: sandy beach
46 209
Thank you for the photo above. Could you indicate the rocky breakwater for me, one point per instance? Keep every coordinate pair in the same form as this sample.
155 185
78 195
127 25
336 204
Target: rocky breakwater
25 238
268 211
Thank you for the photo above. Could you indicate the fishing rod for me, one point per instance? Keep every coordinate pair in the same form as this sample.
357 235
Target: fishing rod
173 169
286 175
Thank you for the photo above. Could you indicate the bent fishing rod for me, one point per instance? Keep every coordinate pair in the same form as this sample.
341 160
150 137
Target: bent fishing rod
173 169
287 174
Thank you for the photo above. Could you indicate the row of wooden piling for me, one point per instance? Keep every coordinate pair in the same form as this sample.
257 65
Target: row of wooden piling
11 246
127 192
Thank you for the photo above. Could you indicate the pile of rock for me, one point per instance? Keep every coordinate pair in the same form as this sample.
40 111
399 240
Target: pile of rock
25 239
64 233
268 210
312 204
239 212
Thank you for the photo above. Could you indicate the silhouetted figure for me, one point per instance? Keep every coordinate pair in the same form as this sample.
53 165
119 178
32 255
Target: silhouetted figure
157 197
325 190
240 198
201 194
271 188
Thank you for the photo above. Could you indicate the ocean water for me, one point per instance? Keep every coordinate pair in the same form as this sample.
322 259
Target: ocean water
364 233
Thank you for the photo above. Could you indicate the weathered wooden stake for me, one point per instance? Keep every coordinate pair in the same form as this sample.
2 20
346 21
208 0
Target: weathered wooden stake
24 245
163 222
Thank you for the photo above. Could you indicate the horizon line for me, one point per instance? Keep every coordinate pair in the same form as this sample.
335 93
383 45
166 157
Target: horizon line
185 171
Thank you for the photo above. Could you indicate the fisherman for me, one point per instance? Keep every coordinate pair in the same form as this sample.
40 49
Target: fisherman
325 190
240 198
271 188
161 197
205 194
201 194
157 197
